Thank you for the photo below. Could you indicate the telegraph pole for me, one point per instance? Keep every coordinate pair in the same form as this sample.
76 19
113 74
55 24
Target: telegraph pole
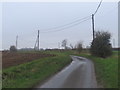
93 26
36 47
16 40
38 40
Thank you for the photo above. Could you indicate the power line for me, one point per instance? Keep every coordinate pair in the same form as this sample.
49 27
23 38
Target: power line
61 29
108 12
93 21
66 24
66 27
98 7
71 24
49 29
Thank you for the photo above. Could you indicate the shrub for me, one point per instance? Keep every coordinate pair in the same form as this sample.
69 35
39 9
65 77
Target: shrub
13 49
101 46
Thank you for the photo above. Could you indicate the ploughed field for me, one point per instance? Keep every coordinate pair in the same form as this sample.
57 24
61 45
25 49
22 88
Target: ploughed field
12 59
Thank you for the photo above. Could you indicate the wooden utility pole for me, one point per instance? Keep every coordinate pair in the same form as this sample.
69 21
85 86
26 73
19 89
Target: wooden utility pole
36 47
93 27
38 39
16 41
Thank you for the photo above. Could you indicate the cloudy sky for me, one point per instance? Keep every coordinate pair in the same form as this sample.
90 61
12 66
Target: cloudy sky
25 18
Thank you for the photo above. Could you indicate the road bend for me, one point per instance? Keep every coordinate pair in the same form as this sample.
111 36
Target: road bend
79 74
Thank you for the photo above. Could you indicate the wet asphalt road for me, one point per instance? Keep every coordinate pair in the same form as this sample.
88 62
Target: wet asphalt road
79 74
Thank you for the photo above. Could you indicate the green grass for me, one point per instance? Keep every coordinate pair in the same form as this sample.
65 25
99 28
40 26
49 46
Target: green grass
106 69
29 74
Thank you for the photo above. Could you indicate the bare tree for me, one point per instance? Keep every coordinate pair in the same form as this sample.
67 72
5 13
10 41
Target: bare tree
71 46
79 47
64 43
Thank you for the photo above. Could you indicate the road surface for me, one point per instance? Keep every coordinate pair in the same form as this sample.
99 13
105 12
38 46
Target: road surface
79 74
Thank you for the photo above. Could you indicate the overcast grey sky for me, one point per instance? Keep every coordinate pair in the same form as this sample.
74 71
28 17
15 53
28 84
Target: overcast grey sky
24 19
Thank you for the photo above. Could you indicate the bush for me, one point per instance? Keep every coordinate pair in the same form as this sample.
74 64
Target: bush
101 46
13 49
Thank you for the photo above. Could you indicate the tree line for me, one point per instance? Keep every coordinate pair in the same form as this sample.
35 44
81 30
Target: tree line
100 46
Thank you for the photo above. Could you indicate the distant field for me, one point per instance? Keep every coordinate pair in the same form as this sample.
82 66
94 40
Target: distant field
11 59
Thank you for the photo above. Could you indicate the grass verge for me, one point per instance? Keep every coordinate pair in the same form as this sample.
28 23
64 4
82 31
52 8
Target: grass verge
106 69
29 74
